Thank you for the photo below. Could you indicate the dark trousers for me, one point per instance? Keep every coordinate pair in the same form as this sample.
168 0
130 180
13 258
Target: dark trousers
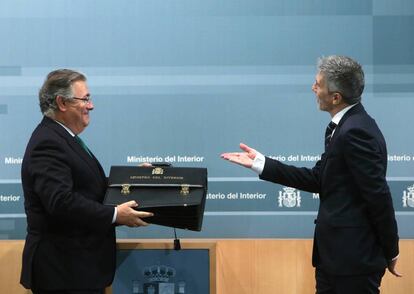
39 291
360 284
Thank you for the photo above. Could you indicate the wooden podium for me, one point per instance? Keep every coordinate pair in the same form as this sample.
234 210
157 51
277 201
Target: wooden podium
190 246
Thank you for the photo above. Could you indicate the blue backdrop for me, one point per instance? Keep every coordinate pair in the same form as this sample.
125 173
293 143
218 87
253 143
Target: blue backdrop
185 80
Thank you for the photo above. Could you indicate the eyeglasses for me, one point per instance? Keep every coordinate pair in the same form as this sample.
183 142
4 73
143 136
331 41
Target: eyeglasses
85 100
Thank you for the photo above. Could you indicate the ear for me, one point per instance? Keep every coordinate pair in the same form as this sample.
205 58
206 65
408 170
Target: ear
61 103
337 98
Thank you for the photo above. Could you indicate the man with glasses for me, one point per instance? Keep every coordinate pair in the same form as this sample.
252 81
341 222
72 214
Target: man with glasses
70 242
356 232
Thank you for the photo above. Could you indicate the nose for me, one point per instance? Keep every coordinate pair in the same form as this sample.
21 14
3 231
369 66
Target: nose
90 106
314 87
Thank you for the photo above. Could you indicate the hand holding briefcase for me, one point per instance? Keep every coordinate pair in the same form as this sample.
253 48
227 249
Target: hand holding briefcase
176 195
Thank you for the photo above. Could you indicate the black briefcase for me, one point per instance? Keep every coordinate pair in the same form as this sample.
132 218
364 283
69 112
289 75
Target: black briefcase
176 195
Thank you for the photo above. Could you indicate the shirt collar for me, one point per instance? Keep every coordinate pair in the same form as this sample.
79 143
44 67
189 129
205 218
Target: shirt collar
66 128
337 117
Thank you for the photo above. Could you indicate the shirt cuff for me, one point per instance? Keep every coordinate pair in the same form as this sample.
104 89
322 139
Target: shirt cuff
258 163
114 217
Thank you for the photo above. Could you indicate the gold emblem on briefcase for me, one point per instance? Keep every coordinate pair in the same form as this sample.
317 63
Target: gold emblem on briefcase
125 189
185 189
157 171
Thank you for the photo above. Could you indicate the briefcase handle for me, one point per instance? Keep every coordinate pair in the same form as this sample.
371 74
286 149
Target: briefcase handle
185 188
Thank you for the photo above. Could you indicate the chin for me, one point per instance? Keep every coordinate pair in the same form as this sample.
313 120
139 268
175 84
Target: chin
319 106
86 122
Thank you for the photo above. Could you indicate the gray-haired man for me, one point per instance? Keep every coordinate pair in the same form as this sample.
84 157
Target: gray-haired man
356 234
70 242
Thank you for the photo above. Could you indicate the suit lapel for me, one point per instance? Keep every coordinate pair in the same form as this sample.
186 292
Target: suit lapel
101 171
92 162
354 110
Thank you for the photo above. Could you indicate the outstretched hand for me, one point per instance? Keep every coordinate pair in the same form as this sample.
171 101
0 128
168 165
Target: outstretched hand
242 158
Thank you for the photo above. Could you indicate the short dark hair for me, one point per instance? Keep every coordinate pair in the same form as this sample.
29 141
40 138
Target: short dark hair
343 75
58 83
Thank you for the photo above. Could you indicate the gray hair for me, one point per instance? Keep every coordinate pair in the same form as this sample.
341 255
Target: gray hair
343 75
58 83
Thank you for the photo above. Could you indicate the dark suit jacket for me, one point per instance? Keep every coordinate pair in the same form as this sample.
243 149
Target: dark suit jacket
70 241
356 230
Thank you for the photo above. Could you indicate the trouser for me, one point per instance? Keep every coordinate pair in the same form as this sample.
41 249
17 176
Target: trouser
357 284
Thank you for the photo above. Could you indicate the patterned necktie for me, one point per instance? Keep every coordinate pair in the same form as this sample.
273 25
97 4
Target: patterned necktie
328 133
83 145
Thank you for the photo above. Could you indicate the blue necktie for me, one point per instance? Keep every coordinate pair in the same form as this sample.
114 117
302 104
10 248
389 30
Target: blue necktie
328 133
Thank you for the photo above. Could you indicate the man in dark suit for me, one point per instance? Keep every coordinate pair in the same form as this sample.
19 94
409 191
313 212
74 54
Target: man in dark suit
70 243
356 232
